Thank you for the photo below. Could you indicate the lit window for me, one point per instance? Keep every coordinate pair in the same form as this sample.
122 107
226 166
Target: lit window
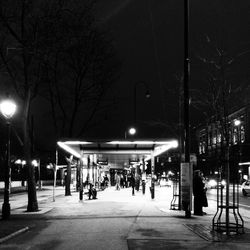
242 134
219 138
214 140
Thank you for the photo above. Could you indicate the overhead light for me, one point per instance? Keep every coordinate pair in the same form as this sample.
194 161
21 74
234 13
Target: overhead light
69 149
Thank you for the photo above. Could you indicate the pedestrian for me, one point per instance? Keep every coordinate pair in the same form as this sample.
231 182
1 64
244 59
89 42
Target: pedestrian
122 181
143 186
117 181
137 182
92 191
198 191
132 183
204 200
106 181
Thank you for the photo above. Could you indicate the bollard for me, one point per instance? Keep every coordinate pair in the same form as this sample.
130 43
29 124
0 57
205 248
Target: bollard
143 186
80 195
152 189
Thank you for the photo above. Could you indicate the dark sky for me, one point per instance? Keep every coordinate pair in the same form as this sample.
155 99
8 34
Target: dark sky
150 46
148 36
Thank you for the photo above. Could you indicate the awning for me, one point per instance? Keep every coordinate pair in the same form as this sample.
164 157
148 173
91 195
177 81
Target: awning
118 153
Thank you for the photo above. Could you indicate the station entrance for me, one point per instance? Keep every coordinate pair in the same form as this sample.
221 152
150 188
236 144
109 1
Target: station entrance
97 160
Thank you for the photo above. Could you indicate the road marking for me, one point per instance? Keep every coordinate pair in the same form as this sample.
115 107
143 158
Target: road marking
14 234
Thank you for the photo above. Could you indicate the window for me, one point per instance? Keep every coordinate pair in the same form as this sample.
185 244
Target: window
242 133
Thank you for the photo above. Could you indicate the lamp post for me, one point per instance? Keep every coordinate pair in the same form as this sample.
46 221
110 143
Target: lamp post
132 130
8 109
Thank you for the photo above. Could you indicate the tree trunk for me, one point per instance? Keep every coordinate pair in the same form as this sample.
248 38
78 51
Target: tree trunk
32 198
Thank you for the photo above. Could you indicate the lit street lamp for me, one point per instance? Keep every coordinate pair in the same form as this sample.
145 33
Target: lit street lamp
8 109
130 132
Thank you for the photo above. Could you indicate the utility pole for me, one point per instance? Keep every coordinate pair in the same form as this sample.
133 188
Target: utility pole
185 166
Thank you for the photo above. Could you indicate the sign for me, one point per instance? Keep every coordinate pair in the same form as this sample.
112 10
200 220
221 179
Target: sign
193 159
186 183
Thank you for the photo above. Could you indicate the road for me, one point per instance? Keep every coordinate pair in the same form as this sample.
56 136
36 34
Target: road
244 201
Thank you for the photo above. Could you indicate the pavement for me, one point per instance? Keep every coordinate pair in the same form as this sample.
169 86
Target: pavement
150 224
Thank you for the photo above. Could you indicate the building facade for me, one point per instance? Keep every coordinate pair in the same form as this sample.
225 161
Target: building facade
211 146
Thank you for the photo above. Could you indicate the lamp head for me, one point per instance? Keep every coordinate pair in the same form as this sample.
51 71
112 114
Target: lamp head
132 131
8 108
237 122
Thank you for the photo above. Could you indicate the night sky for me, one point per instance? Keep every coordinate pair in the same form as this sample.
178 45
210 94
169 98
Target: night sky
148 38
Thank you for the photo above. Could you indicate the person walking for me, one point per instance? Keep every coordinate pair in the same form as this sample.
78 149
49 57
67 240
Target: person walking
198 191
117 181
132 183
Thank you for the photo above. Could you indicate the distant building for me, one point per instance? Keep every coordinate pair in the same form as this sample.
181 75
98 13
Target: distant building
210 144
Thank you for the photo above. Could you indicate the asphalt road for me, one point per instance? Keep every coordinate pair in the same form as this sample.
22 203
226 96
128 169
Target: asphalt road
243 201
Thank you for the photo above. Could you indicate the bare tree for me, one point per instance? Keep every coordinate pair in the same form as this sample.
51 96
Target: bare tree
54 42
80 66
79 70
20 56
220 98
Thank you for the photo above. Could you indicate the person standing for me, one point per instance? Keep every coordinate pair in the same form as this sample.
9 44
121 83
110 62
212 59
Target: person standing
204 200
198 191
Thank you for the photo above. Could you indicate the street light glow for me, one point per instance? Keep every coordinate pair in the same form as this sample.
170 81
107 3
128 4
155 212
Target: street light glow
35 163
8 108
132 131
237 122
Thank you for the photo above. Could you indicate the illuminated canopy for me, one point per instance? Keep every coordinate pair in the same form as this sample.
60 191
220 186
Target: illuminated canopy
118 152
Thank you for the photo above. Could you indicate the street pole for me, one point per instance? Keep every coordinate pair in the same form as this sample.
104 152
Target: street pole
8 109
81 180
55 172
39 176
186 202
6 204
152 176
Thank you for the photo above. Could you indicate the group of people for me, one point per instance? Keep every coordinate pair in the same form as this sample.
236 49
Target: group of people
199 192
132 181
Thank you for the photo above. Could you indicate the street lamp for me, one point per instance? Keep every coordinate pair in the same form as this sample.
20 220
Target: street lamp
8 109
132 131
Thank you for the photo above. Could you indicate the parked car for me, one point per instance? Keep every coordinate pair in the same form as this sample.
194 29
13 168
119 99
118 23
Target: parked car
212 182
245 187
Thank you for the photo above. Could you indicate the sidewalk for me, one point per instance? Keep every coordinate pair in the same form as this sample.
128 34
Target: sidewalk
18 203
155 225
